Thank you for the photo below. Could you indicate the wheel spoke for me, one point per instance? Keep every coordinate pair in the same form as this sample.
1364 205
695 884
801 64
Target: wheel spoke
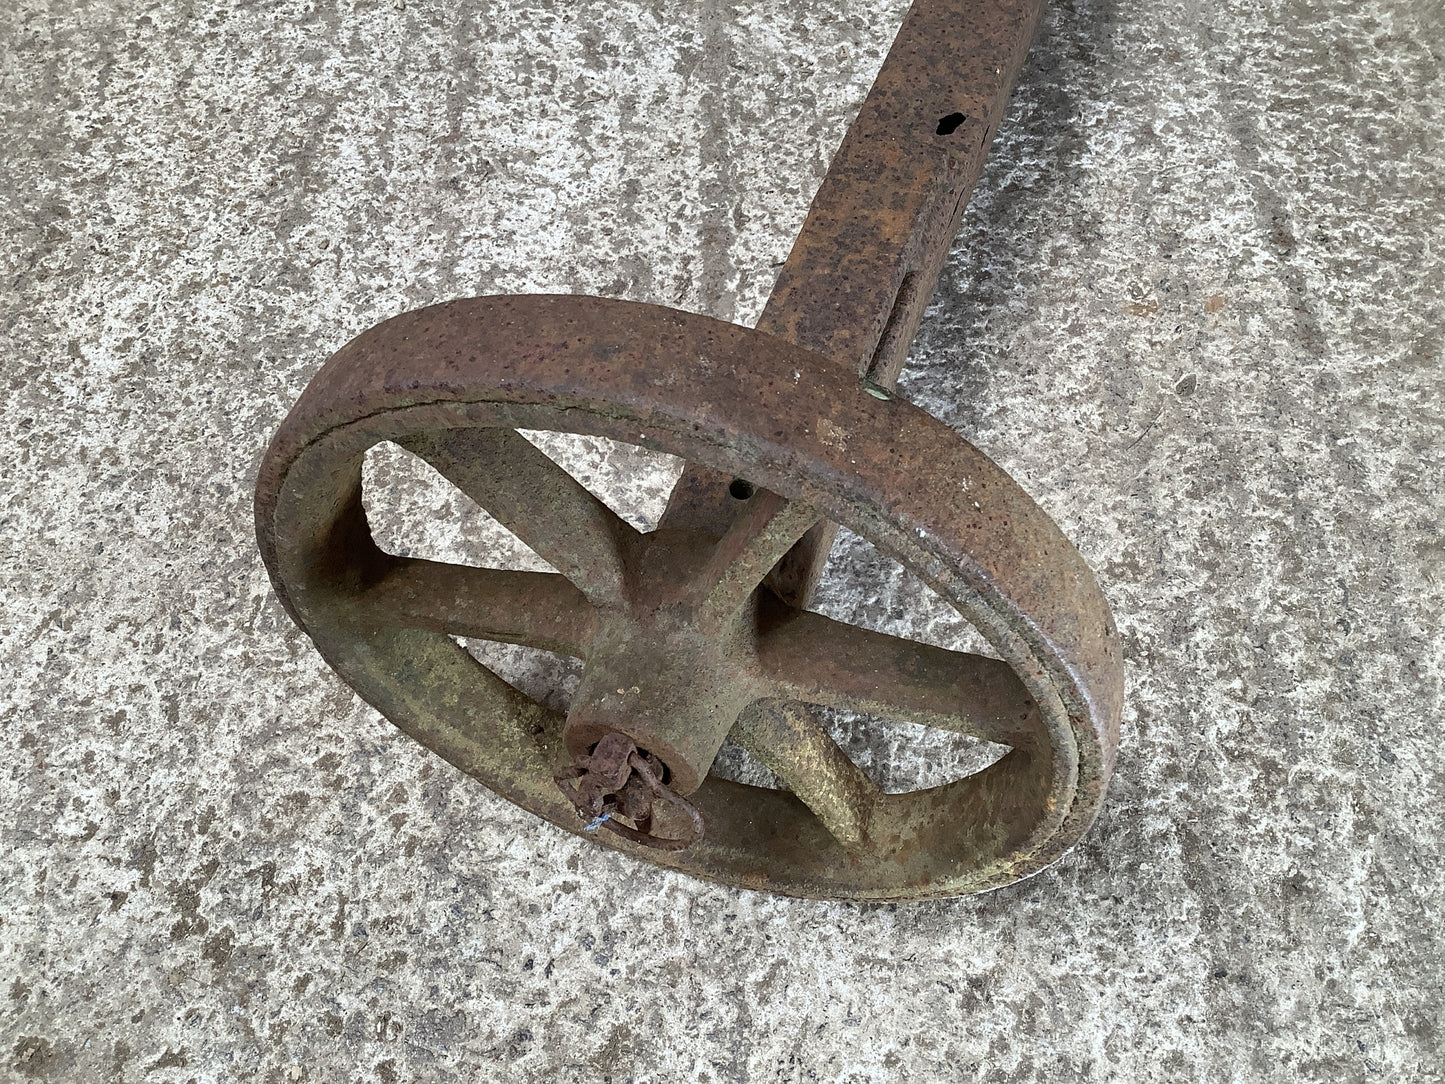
538 609
808 657
539 502
793 746
757 540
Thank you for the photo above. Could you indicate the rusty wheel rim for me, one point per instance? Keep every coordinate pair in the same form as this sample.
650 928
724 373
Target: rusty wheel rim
453 381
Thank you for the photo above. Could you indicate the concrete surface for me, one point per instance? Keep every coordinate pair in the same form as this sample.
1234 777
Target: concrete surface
1196 310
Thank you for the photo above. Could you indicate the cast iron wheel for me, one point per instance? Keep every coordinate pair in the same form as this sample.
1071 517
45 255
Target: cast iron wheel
681 643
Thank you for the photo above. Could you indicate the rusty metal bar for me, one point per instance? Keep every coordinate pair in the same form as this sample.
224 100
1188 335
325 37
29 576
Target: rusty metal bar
864 267
885 216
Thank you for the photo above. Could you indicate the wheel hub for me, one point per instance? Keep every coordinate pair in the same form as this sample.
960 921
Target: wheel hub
660 671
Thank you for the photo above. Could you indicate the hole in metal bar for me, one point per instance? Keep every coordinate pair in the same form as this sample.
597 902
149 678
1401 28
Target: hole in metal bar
741 489
949 124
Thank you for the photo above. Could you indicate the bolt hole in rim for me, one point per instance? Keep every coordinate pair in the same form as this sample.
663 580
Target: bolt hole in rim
740 489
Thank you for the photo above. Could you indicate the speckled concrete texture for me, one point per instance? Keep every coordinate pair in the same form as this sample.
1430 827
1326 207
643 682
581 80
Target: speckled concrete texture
1196 310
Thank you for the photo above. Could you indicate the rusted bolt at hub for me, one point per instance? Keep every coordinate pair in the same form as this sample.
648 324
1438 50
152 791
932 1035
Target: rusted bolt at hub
676 703
614 779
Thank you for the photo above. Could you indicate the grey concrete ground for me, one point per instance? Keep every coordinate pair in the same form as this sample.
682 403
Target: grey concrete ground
1196 310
